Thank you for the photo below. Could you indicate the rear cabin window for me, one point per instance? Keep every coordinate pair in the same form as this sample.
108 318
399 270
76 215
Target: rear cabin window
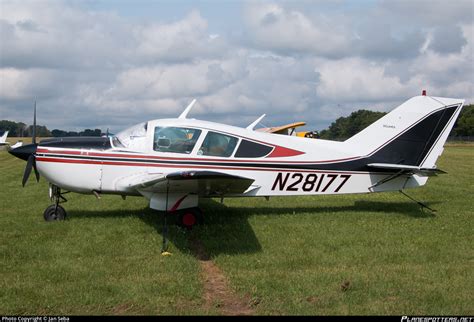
218 145
175 139
249 149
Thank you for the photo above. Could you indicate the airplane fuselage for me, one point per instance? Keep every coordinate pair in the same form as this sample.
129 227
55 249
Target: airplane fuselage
280 165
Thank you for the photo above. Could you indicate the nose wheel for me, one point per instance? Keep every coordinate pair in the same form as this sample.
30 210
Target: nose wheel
55 211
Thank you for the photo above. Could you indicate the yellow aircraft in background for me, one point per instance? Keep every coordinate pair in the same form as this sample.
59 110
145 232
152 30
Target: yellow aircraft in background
290 129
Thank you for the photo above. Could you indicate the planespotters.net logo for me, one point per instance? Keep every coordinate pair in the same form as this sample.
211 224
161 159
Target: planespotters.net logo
437 319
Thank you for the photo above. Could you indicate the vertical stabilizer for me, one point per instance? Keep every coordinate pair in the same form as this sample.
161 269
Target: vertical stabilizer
3 138
412 134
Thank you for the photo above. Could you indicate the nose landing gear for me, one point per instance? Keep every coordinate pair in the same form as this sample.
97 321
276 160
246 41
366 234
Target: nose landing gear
55 211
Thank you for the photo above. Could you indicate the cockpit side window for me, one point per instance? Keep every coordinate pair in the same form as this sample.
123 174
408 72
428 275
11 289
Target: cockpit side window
218 145
249 149
175 139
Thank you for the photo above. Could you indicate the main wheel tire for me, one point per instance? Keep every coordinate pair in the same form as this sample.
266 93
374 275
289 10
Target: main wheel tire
190 217
52 213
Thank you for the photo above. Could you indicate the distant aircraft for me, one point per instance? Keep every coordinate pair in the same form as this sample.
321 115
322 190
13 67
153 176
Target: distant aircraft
3 138
289 129
3 141
16 145
175 162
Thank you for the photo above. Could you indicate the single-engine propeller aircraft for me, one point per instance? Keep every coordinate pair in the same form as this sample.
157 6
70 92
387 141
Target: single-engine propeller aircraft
174 162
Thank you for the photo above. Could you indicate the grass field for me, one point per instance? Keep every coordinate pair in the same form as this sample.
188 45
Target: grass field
285 256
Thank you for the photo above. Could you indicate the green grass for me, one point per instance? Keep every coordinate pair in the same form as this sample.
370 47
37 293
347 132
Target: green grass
289 255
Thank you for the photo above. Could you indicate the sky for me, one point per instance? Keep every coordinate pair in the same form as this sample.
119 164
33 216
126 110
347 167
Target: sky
111 64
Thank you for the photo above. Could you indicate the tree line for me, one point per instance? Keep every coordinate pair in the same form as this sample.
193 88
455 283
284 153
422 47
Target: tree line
345 127
20 129
341 129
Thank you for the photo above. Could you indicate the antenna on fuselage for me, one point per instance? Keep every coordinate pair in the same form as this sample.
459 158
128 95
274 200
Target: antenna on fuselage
186 111
251 126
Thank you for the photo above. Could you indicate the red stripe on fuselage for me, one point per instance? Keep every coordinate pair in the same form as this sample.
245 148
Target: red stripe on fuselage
154 157
280 151
179 166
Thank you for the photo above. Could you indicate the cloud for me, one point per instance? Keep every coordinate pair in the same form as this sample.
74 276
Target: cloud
425 13
286 31
355 79
310 61
60 36
180 41
447 40
379 40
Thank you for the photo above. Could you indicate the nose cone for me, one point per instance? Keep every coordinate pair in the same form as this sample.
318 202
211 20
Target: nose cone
24 152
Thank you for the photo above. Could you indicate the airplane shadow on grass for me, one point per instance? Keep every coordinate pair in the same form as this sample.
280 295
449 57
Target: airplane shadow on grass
227 229
409 209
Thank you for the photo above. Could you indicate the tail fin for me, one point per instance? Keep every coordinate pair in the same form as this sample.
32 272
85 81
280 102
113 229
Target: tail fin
3 138
413 134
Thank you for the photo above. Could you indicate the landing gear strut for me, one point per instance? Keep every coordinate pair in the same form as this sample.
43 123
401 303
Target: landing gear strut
55 211
186 218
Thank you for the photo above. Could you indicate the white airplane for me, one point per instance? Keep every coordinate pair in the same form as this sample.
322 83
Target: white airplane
3 141
175 162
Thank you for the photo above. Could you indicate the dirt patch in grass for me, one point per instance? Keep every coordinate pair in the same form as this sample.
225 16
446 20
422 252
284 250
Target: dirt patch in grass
122 308
217 293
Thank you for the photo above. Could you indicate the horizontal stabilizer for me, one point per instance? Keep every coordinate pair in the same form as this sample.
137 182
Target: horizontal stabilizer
407 168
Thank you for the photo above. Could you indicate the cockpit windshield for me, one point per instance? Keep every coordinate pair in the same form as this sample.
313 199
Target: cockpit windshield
123 139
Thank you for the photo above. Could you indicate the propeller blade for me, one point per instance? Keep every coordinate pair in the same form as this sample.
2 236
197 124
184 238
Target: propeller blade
34 126
29 165
37 175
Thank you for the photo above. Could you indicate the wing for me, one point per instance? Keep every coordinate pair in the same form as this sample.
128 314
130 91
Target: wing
282 129
202 183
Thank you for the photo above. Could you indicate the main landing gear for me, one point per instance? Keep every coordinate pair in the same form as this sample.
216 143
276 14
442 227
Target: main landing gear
188 218
185 218
55 211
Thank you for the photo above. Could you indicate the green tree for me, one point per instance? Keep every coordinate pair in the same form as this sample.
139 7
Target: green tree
41 131
13 128
465 124
58 133
89 132
345 127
